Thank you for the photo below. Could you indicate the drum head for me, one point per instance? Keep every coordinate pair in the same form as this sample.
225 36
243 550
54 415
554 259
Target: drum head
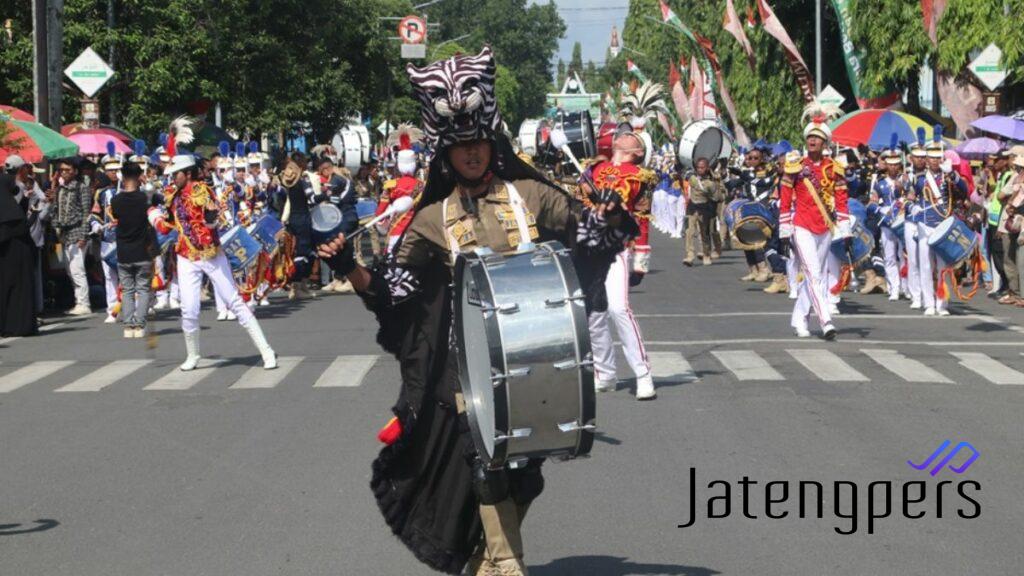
325 217
703 139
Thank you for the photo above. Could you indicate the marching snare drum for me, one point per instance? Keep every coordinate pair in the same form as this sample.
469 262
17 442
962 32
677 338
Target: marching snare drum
750 222
953 241
265 231
108 252
167 241
525 365
862 243
703 139
366 208
240 248
326 220
579 131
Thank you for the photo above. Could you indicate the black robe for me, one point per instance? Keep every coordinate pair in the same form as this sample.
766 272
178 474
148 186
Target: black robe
17 267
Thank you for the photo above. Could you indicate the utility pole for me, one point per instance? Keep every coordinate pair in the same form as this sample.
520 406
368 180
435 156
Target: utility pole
817 46
55 61
111 60
40 84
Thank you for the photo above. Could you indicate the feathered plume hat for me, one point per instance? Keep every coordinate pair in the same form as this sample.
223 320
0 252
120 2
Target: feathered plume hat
240 163
936 148
254 156
892 153
402 140
817 115
112 160
139 154
917 149
179 133
639 106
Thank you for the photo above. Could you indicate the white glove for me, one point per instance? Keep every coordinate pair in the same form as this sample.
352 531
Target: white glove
947 166
785 230
844 229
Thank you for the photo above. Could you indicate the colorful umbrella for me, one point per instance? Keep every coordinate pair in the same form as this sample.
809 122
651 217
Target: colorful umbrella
979 148
33 141
95 142
16 113
69 129
1006 126
875 128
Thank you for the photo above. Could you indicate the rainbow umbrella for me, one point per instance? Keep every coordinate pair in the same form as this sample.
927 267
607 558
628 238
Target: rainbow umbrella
875 128
16 113
95 142
33 141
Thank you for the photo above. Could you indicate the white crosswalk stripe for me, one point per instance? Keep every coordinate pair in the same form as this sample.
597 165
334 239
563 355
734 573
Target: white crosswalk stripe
671 367
989 368
178 379
346 372
105 376
257 377
827 366
906 368
747 365
31 373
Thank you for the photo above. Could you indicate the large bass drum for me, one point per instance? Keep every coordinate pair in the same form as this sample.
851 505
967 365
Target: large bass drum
352 143
533 135
579 131
525 365
703 139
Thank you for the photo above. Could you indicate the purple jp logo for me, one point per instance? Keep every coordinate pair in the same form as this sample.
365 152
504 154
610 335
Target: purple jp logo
956 469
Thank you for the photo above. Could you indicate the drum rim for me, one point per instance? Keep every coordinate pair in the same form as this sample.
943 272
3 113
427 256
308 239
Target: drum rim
472 263
585 372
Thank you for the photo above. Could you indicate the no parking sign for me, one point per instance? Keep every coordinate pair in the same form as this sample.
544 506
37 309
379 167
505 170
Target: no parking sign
412 30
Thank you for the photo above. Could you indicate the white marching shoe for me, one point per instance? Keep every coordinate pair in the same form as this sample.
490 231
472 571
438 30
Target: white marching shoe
915 305
191 351
802 332
929 311
111 319
268 354
604 385
828 332
222 315
645 387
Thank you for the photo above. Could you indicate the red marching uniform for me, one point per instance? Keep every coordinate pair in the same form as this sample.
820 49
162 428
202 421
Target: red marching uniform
796 203
403 186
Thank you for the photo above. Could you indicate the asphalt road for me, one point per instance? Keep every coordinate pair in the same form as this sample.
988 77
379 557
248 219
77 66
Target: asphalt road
127 469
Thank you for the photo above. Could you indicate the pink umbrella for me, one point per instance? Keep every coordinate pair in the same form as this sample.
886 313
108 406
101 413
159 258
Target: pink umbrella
96 143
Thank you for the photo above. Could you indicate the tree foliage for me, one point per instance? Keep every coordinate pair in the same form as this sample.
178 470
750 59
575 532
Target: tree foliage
895 41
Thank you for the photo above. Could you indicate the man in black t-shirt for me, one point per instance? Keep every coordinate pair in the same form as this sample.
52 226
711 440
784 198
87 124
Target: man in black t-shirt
134 240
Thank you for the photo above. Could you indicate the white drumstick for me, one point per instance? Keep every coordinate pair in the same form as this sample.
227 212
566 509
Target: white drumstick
559 140
396 208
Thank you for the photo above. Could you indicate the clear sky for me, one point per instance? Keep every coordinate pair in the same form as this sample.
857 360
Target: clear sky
589 22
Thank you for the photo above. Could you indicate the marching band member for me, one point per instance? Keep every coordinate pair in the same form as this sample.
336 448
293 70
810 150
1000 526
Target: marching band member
406 184
102 225
192 209
939 192
706 193
918 159
436 495
755 183
887 195
340 192
300 191
813 188
622 175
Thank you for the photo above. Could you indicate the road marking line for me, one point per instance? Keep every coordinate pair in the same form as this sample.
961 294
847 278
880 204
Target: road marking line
44 328
257 377
671 367
906 368
977 317
827 366
105 376
346 371
747 365
795 340
31 373
178 379
989 368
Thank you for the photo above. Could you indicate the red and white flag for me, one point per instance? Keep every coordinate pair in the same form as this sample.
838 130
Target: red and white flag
716 67
773 26
732 26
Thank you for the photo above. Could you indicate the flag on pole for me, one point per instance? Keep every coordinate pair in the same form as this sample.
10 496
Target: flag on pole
773 26
635 71
751 23
675 87
732 26
709 51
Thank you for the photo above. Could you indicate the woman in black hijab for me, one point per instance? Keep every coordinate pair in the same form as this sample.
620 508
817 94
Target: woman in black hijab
17 307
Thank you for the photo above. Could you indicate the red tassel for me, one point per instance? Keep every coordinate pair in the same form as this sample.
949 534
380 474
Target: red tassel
172 148
404 143
391 431
844 279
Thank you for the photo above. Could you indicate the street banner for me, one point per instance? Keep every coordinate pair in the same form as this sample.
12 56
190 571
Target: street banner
962 99
773 26
854 59
635 71
732 26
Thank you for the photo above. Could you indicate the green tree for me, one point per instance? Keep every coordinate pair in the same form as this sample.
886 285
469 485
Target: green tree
894 39
576 64
560 74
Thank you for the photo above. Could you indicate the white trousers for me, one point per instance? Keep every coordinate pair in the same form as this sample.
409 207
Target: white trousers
834 269
928 264
891 253
76 270
110 280
910 239
190 277
620 316
812 252
792 272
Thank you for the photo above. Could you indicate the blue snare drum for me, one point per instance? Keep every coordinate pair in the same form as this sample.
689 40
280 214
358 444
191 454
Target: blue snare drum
730 208
366 208
953 241
241 249
898 225
862 243
265 231
108 252
856 209
326 219
751 222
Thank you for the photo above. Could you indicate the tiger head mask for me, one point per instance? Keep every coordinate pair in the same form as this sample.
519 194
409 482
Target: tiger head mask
457 98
